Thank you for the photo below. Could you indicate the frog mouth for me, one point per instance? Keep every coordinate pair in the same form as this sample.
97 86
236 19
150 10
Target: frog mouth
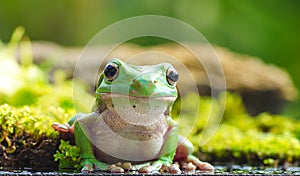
153 97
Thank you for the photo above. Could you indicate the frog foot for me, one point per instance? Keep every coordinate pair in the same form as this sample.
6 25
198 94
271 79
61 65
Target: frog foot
145 168
116 169
89 165
160 167
188 167
174 169
204 166
62 128
121 167
153 167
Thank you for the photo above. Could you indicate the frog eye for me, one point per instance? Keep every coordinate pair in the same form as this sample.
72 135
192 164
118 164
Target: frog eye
172 76
111 71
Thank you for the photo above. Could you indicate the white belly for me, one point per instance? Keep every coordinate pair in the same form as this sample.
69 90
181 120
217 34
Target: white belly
128 145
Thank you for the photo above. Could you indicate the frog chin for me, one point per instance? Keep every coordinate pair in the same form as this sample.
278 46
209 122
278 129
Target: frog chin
139 111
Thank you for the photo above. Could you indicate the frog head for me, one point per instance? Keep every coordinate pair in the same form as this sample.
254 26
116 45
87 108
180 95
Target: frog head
121 78
144 90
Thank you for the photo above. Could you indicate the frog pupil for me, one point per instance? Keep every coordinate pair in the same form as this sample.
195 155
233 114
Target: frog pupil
110 71
173 76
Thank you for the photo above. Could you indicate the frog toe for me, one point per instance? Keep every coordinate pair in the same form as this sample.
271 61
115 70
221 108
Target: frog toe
60 127
146 169
205 166
116 169
174 169
87 168
55 125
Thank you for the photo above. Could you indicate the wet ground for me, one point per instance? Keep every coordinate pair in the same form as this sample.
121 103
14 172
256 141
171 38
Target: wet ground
220 170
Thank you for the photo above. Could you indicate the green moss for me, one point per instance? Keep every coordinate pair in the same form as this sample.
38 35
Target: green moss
17 122
68 156
241 138
252 147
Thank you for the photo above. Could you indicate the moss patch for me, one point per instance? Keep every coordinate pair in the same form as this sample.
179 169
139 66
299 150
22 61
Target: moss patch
264 139
22 142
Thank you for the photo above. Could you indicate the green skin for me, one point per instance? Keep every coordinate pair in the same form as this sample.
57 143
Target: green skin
112 125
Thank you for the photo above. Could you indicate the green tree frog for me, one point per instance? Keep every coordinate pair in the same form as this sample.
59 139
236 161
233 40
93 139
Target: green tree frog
131 123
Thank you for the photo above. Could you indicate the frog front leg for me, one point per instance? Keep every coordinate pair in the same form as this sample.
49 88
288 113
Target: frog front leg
83 141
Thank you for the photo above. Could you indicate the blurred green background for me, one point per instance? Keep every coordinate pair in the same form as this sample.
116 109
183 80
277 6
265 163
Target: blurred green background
268 29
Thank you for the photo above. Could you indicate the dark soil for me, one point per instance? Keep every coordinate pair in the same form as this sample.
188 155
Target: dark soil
31 152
